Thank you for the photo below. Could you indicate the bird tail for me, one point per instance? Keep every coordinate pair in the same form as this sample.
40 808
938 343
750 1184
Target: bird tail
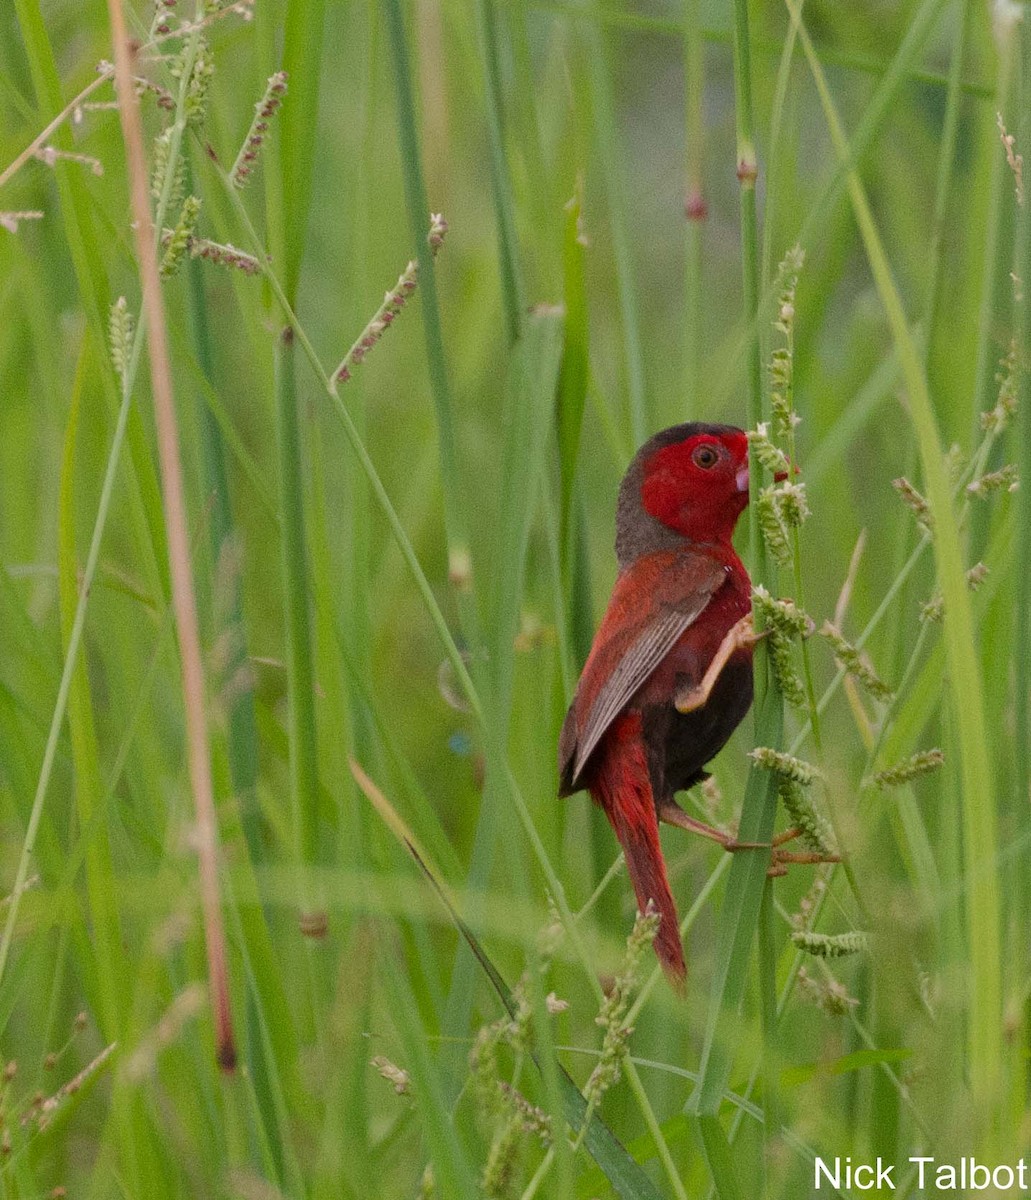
622 787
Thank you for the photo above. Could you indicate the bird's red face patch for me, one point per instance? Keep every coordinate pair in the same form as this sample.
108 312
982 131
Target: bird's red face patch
699 486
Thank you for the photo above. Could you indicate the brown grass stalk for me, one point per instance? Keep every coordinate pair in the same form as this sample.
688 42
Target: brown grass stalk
183 598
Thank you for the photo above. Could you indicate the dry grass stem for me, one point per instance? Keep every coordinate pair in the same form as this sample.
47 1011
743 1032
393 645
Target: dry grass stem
183 598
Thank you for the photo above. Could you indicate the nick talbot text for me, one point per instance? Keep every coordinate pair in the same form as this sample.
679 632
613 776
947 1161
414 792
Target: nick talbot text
964 1175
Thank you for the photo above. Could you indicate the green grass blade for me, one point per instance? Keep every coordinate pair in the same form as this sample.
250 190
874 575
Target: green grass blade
720 1157
737 924
695 207
241 732
1022 605
504 213
572 386
605 129
304 781
531 396
111 965
298 144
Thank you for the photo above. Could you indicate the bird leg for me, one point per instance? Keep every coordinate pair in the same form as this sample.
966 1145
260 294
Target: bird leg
740 637
671 812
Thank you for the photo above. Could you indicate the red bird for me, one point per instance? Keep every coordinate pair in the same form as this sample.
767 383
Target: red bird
669 676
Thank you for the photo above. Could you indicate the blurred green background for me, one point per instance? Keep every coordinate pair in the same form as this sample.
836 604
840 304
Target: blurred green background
573 310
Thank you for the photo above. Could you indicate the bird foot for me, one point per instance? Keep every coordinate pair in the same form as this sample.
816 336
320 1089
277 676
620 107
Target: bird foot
673 814
740 637
780 860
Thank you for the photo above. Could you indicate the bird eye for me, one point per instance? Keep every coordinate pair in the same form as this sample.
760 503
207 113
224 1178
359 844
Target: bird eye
705 457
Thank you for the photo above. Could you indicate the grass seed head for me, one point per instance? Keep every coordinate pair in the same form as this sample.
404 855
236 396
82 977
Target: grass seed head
829 994
830 945
770 456
222 254
934 609
390 309
161 164
773 526
51 155
783 615
502 1158
786 622
534 1119
816 829
785 765
791 498
266 108
1014 161
996 419
203 68
782 360
120 328
437 233
788 679
915 502
613 1011
1005 479
177 241
851 660
921 763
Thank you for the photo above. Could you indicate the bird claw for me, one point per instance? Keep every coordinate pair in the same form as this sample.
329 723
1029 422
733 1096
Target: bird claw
780 860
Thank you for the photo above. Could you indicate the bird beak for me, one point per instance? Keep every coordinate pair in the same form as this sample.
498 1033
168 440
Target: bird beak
742 479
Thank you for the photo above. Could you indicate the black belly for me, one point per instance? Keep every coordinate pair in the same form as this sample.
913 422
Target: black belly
680 744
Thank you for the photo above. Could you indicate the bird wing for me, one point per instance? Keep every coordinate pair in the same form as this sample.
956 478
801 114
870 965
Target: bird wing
655 599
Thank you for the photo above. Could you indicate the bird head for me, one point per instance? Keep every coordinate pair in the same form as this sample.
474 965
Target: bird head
688 482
